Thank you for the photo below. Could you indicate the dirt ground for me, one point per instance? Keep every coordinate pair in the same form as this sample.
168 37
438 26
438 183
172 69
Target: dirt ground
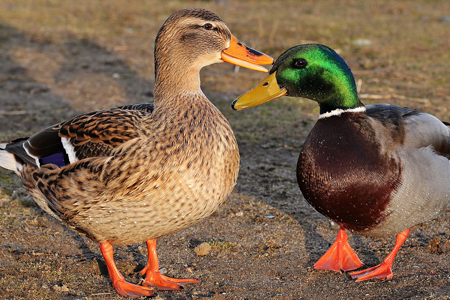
61 58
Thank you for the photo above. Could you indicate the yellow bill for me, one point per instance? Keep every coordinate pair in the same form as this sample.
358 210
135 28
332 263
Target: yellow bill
266 91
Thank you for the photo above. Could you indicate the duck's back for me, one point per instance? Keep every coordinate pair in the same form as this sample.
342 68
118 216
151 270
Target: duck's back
377 172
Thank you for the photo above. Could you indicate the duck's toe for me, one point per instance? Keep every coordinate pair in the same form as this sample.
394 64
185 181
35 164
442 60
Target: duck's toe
162 282
127 289
382 271
340 256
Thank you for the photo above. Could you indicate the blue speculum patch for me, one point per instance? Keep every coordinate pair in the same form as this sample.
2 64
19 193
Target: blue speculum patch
60 159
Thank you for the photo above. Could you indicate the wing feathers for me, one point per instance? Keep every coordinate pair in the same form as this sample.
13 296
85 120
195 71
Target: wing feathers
417 129
94 134
423 129
21 155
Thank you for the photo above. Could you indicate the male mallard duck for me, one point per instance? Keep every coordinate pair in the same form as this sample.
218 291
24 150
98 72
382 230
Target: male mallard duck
376 170
138 172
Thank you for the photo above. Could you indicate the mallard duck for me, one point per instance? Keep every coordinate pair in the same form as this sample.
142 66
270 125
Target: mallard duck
375 170
139 172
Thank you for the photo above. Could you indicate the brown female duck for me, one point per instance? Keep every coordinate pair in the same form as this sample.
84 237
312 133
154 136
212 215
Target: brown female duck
138 172
376 170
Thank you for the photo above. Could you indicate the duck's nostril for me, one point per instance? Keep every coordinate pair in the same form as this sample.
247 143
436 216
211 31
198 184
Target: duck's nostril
239 43
265 84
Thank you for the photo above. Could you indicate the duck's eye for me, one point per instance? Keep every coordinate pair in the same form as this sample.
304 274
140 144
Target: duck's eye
300 63
208 26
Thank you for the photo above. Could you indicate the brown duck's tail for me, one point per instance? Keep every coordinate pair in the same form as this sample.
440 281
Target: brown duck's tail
7 159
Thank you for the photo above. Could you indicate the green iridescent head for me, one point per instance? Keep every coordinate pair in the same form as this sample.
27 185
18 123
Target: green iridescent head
310 71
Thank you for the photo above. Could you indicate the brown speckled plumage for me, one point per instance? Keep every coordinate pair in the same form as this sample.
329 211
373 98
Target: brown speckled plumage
138 172
171 172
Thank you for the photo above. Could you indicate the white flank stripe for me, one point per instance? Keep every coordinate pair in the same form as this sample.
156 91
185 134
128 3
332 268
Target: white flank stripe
338 112
36 159
70 150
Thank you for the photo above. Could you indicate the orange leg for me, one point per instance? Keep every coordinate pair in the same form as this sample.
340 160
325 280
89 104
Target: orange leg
383 270
340 256
122 287
154 278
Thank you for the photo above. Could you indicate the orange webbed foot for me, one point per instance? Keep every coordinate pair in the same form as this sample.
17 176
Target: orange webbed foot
154 277
122 287
162 282
384 270
127 289
340 256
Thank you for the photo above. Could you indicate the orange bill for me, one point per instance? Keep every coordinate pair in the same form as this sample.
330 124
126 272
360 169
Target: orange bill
239 54
266 91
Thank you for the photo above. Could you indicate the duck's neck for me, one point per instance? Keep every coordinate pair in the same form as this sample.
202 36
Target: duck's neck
342 96
338 111
341 103
174 77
